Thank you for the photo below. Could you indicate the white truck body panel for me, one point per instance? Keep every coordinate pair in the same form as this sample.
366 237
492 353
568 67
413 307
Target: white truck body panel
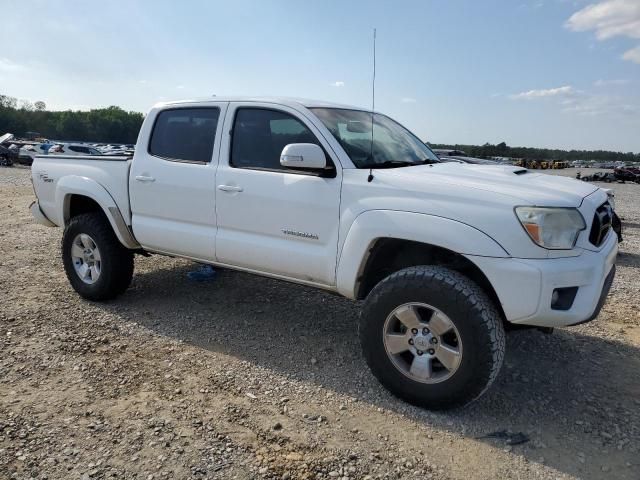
281 223
318 230
184 222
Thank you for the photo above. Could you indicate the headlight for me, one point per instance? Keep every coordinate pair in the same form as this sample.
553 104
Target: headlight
553 228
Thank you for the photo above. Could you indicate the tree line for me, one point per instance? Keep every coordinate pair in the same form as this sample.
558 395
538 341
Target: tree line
115 125
100 125
528 153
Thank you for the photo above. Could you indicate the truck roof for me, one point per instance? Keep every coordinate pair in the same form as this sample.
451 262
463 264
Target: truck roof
288 101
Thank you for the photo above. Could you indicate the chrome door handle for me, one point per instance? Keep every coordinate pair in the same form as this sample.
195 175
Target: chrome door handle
229 188
144 178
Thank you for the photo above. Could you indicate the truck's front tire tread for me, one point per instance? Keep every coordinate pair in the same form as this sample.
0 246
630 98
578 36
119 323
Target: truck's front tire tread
471 310
117 261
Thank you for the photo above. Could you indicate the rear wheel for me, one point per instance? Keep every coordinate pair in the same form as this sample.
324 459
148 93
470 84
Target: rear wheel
432 337
97 265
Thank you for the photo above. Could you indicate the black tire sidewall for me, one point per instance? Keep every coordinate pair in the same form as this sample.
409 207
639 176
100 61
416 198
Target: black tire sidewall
116 262
473 374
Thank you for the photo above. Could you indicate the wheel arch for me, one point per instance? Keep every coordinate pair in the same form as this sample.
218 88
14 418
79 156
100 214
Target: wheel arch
390 255
380 243
76 195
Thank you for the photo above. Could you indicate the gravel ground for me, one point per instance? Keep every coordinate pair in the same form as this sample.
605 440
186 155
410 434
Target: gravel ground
246 377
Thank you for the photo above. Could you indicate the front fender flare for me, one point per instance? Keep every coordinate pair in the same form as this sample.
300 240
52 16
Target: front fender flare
373 225
77 185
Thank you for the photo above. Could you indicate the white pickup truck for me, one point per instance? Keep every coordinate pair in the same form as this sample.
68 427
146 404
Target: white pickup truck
445 256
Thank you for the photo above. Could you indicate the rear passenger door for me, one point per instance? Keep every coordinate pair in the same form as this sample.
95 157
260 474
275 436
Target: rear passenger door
172 181
272 219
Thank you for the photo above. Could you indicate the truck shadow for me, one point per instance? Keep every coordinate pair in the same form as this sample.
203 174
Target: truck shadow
630 225
626 259
571 394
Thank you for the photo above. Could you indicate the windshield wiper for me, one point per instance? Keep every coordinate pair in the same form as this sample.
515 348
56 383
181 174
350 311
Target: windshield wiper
391 164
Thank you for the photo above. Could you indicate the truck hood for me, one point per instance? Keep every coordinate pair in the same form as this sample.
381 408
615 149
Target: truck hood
524 186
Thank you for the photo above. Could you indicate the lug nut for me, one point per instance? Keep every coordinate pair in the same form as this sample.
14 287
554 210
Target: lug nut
414 331
419 352
431 351
425 331
411 341
434 340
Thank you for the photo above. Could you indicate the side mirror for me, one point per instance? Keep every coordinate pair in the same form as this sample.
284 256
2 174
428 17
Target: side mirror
303 155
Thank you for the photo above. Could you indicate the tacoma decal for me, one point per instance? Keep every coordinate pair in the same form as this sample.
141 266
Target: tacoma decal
295 233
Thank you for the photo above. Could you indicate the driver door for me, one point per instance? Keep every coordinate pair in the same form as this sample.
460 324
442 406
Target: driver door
272 219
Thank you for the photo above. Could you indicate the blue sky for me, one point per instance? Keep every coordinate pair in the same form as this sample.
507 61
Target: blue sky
544 73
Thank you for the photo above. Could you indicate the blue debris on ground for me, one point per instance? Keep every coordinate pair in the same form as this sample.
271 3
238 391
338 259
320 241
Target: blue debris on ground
205 273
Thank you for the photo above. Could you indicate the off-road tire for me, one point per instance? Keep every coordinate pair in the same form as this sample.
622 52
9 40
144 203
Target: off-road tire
117 261
474 315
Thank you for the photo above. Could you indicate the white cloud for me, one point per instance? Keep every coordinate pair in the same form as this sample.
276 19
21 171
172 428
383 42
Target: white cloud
632 55
564 91
580 102
408 100
180 87
610 18
338 83
7 65
606 83
595 105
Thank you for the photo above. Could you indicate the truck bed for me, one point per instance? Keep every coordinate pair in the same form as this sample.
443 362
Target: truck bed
112 172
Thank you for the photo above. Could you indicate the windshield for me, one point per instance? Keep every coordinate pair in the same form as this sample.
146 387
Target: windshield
393 145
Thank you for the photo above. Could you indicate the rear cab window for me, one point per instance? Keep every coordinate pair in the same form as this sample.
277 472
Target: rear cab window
185 134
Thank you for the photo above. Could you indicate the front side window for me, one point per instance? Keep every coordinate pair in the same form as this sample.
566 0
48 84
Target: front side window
185 134
393 145
259 135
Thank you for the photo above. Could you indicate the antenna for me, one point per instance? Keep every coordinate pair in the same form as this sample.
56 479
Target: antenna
373 102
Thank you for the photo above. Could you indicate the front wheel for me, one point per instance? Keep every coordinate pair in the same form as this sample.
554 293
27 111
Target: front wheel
97 265
432 337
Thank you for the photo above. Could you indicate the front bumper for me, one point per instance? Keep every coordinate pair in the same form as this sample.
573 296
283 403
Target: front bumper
525 286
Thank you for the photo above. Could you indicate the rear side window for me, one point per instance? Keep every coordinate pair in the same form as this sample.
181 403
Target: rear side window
259 135
185 134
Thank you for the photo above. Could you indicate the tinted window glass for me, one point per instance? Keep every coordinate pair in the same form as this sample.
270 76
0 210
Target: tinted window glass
185 134
79 149
259 136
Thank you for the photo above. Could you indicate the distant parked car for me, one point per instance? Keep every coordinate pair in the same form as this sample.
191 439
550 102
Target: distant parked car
28 152
6 156
627 174
73 149
443 152
606 177
113 149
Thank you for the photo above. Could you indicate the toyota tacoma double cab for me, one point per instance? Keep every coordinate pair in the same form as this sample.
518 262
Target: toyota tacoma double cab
445 256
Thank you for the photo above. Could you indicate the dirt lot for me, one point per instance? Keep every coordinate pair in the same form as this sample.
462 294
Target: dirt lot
245 377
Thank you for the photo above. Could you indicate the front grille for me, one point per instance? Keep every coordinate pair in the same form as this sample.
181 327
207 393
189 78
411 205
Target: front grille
601 224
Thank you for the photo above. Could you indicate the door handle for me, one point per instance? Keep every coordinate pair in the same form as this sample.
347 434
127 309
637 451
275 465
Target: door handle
144 178
229 188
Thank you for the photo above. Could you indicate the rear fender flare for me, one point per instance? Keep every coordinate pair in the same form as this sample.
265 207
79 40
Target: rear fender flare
77 185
